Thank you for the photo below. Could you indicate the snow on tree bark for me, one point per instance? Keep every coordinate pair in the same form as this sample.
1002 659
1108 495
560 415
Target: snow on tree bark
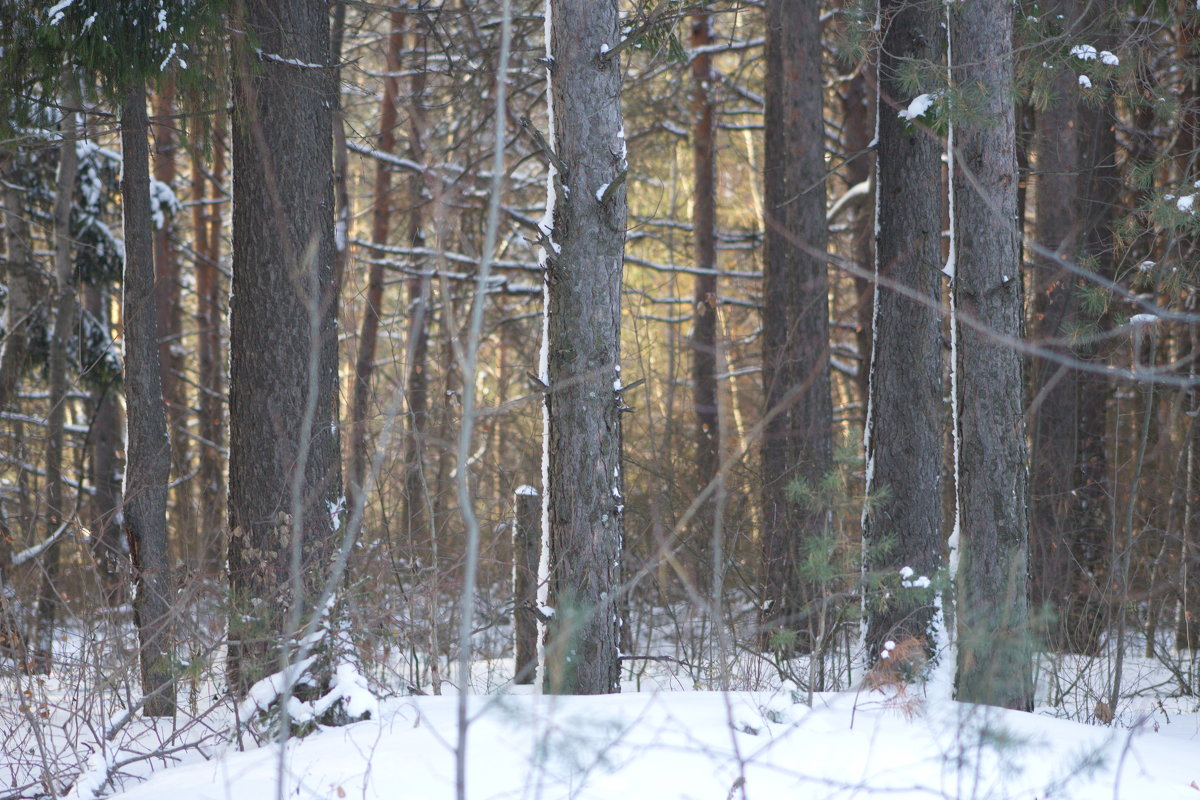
904 528
584 259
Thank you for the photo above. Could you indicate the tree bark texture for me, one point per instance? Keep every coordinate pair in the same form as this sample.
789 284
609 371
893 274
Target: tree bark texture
994 639
704 328
527 546
148 455
584 258
904 528
797 439
283 288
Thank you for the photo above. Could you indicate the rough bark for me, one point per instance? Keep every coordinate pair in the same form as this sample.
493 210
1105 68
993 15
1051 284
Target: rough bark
995 653
583 277
283 331
904 529
797 439
148 456
703 340
527 545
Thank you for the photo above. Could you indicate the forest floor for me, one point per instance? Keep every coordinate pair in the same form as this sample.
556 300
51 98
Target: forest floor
65 735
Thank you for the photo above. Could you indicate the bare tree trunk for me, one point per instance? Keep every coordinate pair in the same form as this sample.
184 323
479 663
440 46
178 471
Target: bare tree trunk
171 361
904 529
584 258
285 471
341 163
797 442
1054 386
704 329
206 225
63 335
857 132
148 455
416 493
995 650
364 366
106 430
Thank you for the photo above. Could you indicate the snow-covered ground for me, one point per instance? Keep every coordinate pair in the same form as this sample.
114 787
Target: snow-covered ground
659 739
705 745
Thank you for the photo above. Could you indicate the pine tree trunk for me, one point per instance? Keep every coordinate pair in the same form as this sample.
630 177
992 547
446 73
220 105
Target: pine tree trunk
416 492
206 224
584 259
857 132
106 436
904 528
148 455
284 469
171 361
364 365
704 329
995 653
797 445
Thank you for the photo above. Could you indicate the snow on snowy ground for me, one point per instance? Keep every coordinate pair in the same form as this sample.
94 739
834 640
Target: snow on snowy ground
706 745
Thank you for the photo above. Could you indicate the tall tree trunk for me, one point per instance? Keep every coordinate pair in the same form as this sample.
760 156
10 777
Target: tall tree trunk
904 529
106 431
995 656
284 468
148 455
857 132
704 330
1053 385
364 366
797 439
206 226
171 361
60 342
341 161
1076 189
584 257
416 494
